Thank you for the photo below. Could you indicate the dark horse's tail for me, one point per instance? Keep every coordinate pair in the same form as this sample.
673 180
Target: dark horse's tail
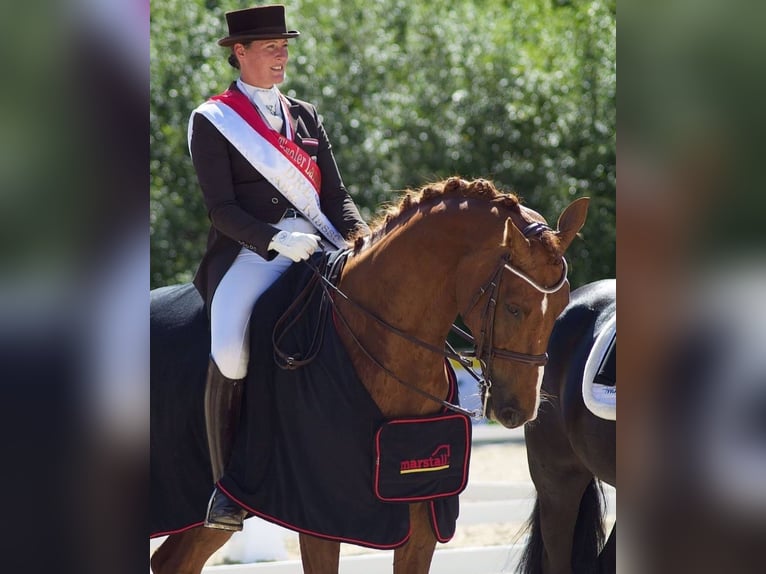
587 541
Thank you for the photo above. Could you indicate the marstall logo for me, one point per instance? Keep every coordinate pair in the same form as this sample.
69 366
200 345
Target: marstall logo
439 460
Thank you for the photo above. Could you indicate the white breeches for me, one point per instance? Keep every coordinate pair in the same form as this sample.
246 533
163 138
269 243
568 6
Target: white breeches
246 280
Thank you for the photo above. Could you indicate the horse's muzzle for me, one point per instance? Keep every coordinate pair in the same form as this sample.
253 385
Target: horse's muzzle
510 417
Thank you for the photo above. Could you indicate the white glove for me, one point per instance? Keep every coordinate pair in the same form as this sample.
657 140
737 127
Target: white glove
294 244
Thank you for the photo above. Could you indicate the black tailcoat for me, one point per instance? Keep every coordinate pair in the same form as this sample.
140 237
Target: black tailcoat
242 205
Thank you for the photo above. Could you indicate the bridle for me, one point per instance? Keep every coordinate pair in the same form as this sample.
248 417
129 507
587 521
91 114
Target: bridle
484 349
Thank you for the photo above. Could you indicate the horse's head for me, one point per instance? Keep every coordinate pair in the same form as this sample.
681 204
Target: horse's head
510 295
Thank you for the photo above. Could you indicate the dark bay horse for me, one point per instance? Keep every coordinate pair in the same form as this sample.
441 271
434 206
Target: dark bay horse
570 450
451 248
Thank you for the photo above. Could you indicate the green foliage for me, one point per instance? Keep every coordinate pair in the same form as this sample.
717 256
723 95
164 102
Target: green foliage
522 93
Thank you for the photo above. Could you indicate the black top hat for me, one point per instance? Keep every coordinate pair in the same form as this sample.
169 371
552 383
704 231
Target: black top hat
259 23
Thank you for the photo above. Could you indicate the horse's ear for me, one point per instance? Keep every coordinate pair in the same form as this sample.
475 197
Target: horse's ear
512 237
571 221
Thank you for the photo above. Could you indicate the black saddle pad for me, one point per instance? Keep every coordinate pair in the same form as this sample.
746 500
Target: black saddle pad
303 457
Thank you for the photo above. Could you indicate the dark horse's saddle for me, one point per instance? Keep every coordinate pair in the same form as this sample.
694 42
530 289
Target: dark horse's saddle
303 455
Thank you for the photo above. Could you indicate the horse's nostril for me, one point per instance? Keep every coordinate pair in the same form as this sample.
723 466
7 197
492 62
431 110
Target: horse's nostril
510 418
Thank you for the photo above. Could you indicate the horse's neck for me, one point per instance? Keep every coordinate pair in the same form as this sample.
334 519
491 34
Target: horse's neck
408 282
408 279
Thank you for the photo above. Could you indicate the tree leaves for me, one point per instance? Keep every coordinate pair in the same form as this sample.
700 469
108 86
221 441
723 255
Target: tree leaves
520 92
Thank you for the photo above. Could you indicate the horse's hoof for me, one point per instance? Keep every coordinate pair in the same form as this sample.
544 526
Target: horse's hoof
223 513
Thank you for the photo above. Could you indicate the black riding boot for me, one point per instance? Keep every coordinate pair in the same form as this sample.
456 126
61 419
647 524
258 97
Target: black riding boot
223 398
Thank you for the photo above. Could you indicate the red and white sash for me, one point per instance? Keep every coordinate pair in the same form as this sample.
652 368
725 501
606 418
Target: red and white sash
282 162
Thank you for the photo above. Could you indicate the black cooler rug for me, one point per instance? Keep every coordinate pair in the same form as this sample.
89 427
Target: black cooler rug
303 457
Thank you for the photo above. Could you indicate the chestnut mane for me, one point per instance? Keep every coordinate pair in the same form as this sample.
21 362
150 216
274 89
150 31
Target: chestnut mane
451 187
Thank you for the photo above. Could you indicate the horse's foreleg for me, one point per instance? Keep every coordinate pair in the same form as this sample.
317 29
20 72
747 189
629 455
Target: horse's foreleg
187 552
319 556
415 556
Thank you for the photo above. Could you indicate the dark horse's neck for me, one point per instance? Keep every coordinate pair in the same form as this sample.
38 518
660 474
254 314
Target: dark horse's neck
408 278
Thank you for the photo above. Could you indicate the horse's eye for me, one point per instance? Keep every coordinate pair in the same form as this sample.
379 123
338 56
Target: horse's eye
513 310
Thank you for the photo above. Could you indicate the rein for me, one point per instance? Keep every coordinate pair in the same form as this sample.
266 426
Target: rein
484 351
300 305
327 285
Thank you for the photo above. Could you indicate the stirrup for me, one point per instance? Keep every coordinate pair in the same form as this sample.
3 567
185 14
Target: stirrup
223 513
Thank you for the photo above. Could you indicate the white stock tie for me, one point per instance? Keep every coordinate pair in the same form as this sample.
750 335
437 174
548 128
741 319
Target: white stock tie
268 102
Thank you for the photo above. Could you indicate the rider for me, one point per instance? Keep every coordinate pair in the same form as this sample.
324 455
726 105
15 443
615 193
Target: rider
272 191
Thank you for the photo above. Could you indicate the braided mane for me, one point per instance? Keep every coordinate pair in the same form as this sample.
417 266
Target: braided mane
452 187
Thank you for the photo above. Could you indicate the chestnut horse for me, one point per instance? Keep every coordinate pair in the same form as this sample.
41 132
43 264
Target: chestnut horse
570 450
452 248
